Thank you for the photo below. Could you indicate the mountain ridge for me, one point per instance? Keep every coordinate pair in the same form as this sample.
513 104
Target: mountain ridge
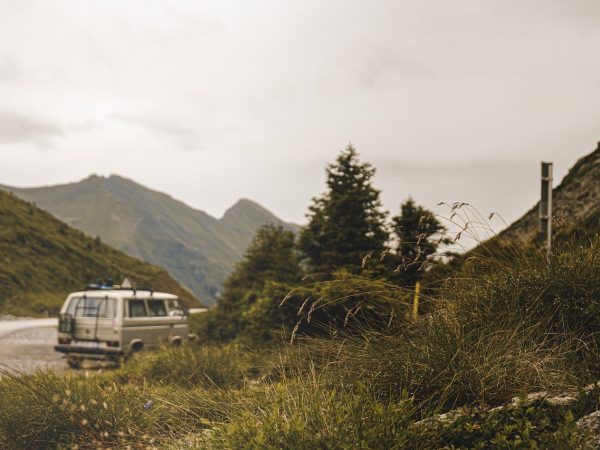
198 249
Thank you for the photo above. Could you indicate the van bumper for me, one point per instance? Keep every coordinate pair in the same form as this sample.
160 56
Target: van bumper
66 348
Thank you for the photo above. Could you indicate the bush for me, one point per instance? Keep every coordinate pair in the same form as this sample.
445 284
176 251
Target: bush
524 426
442 362
563 291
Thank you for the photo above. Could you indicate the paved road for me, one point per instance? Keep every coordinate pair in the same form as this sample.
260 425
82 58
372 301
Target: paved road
27 344
10 326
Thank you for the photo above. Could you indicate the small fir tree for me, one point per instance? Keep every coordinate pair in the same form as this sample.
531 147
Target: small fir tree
417 232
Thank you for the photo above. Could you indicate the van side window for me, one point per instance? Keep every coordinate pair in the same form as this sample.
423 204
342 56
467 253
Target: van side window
137 308
174 308
156 308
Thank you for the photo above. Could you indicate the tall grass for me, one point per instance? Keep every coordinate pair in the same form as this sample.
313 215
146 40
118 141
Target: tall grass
488 336
206 366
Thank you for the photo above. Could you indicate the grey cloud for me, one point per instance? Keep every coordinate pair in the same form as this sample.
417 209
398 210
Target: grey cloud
445 166
10 70
580 15
185 137
17 127
16 72
83 126
379 63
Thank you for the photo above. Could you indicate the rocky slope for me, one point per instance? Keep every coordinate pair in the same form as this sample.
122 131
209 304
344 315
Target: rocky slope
576 203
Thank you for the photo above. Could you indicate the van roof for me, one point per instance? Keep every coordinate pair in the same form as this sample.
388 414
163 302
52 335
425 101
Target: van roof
124 293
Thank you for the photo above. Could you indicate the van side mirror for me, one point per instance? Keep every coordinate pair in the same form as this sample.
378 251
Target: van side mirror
182 311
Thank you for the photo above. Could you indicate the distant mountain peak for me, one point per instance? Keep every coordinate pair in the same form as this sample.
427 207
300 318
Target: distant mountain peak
245 201
245 204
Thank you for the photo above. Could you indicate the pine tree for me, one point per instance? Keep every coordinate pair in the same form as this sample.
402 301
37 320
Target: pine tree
417 232
346 222
271 258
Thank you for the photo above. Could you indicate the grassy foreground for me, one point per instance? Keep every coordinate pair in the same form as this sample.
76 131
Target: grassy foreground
509 330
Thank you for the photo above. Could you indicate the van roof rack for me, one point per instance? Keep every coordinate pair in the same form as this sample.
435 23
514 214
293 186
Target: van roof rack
116 287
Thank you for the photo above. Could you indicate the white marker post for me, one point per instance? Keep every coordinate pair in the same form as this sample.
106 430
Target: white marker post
546 205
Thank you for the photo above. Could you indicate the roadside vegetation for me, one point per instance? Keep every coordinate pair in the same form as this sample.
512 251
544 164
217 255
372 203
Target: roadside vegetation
339 359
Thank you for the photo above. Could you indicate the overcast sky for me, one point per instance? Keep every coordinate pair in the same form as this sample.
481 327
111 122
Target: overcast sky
215 100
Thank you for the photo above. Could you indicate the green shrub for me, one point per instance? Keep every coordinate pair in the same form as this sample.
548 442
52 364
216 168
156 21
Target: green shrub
563 291
524 426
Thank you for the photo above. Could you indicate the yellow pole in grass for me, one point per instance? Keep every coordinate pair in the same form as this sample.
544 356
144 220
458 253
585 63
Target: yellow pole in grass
415 308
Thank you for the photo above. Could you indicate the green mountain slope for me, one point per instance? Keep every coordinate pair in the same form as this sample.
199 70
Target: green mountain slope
42 259
196 248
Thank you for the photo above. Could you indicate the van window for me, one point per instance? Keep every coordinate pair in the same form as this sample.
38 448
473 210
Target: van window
156 308
92 307
137 308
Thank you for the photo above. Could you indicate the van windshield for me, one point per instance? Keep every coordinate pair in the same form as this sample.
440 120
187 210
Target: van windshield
92 307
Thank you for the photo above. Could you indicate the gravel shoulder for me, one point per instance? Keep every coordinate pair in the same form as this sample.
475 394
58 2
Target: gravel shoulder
28 344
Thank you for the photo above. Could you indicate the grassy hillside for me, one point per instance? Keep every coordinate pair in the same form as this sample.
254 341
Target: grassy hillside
197 249
42 259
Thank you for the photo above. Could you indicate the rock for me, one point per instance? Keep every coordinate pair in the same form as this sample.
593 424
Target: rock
446 418
590 425
530 397
591 387
561 400
566 399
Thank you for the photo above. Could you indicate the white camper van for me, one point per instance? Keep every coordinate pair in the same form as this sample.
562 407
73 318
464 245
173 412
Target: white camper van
108 322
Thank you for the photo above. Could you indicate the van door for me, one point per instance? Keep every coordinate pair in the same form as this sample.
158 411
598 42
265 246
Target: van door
161 323
135 322
179 324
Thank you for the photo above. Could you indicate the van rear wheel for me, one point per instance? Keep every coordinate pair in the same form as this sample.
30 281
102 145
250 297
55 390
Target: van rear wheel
74 362
133 349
